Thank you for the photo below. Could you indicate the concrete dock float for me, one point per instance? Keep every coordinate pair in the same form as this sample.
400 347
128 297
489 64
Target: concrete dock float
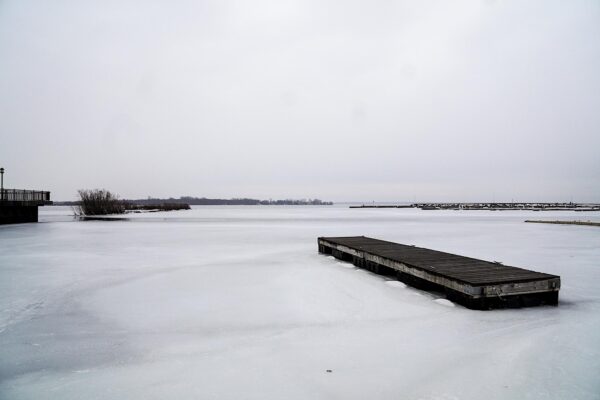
473 283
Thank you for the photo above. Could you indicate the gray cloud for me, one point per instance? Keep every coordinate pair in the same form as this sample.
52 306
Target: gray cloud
339 100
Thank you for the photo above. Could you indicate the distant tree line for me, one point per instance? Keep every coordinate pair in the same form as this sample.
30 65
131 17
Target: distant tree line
101 202
131 206
203 201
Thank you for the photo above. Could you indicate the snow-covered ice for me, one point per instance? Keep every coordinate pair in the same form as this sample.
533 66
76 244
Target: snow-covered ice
444 302
396 284
236 303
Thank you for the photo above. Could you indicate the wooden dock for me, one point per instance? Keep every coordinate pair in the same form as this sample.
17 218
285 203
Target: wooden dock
474 283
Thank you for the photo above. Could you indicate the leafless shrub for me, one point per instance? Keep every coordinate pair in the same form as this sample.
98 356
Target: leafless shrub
98 202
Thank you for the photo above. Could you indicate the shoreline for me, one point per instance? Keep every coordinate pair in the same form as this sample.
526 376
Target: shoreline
585 223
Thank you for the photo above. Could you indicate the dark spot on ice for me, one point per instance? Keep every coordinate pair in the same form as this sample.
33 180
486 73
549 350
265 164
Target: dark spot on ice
329 370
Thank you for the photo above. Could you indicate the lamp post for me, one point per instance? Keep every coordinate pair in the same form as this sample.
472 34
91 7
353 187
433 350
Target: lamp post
1 183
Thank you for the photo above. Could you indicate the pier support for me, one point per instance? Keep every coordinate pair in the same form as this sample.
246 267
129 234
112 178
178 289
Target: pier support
19 206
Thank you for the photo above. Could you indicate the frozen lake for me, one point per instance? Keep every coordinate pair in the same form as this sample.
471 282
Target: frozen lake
236 303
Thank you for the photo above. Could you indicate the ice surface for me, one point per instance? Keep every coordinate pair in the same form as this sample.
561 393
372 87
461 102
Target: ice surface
236 303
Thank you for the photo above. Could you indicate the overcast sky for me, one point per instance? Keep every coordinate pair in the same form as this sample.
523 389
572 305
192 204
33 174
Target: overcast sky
340 100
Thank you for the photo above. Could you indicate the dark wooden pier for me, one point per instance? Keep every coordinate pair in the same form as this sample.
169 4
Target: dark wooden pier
474 283
18 206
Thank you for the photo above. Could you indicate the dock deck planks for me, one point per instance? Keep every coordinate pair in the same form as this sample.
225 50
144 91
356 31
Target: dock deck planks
475 283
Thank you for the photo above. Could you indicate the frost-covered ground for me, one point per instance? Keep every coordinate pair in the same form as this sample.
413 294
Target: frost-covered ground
235 303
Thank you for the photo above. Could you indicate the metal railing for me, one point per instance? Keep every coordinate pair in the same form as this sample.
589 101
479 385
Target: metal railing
24 195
